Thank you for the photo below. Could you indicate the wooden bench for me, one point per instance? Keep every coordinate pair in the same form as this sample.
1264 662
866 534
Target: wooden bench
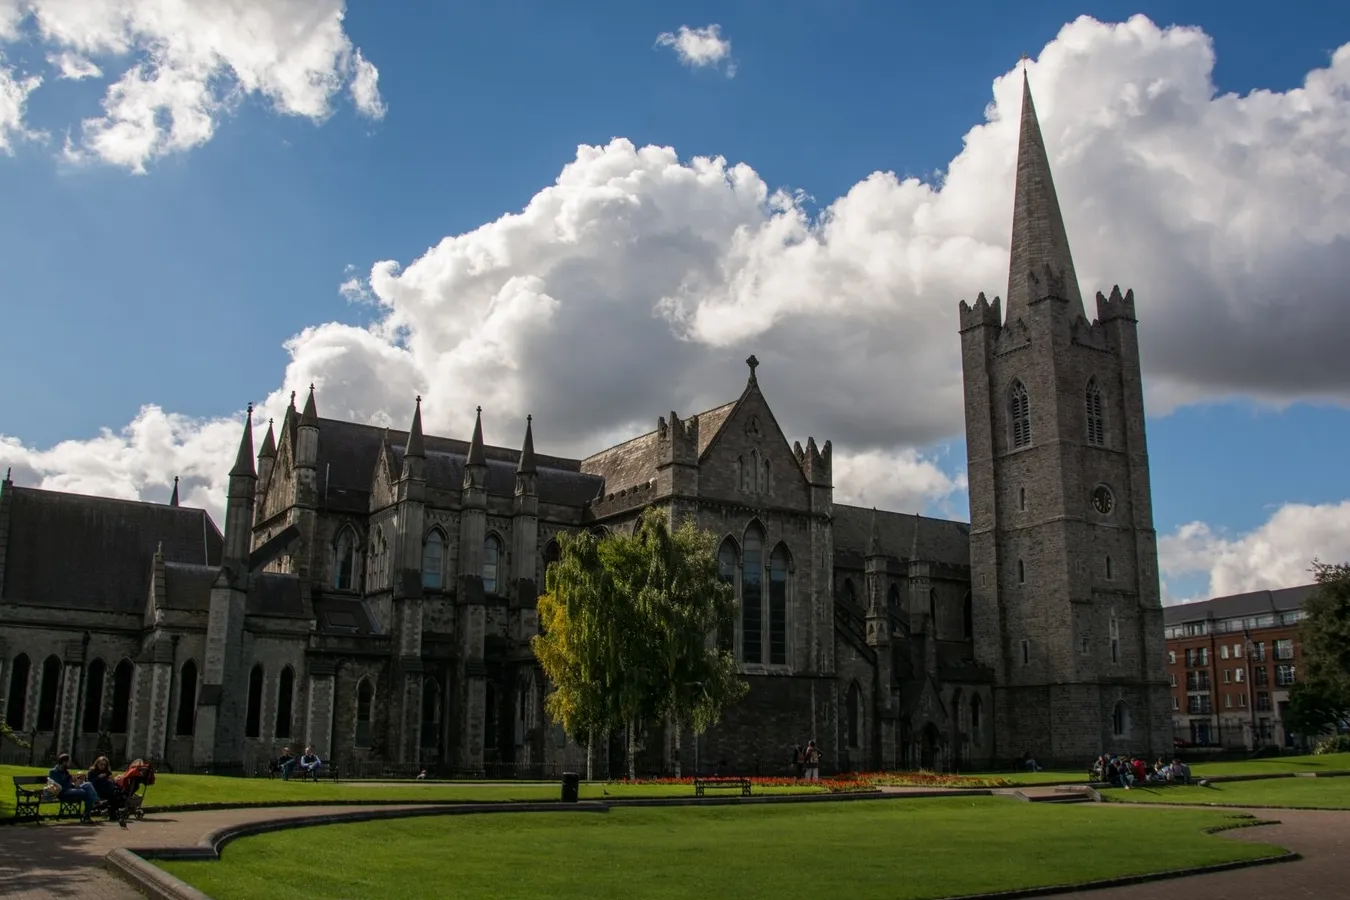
704 784
29 797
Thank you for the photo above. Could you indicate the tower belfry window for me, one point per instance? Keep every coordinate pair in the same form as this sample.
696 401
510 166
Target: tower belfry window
1019 411
1096 417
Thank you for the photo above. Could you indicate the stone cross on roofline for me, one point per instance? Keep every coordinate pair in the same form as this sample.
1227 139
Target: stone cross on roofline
753 363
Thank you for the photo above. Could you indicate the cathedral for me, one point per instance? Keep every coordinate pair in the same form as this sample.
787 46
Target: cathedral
373 592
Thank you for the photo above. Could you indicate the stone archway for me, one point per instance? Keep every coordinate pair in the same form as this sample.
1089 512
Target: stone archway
930 742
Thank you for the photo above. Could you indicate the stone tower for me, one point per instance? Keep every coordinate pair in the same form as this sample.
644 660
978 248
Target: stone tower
1063 552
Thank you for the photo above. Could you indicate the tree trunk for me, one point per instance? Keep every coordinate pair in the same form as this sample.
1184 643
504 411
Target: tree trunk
632 750
590 754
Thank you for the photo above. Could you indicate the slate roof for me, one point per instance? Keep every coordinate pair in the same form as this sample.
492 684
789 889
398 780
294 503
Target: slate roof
348 452
1254 603
188 587
939 540
343 615
95 553
634 461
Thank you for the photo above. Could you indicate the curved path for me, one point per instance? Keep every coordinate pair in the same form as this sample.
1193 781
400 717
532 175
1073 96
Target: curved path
64 861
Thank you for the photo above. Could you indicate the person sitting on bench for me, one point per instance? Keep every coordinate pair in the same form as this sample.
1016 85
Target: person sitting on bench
101 776
310 762
70 791
284 764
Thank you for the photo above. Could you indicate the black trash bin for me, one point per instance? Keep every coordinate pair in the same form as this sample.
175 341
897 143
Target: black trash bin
571 787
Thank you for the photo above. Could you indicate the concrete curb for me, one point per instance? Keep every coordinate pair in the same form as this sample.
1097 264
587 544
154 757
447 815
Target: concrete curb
149 879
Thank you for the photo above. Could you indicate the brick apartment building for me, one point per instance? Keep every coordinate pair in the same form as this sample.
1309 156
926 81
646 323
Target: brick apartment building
1231 662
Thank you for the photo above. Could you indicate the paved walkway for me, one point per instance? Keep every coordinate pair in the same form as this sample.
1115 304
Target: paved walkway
64 861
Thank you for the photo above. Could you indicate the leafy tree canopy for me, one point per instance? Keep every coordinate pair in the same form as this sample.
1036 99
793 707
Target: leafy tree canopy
1321 699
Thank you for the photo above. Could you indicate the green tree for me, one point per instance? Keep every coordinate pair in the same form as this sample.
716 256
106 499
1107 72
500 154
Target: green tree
7 734
683 605
1321 699
627 633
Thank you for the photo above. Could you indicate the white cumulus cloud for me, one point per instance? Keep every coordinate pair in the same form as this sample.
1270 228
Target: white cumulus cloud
638 281
14 91
1278 554
700 48
180 66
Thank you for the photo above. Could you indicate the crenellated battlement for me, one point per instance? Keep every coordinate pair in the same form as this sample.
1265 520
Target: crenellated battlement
1116 306
1049 284
815 462
677 439
982 313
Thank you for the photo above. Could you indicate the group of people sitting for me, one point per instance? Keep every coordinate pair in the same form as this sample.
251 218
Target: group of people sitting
100 788
1127 771
286 763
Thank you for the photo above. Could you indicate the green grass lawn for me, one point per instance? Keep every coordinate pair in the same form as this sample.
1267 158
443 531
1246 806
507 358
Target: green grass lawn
173 790
1315 793
900 850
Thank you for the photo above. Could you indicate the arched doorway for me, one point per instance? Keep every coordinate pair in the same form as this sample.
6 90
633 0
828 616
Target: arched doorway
928 747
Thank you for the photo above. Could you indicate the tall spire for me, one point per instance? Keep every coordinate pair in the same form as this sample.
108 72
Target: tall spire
476 455
526 465
269 447
243 462
173 498
310 416
873 543
416 447
1038 235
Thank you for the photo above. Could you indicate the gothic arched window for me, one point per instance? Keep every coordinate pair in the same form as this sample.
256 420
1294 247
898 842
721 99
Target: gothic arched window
285 702
726 572
893 597
431 713
1019 413
976 720
186 723
967 616
93 695
1096 417
433 560
344 560
1120 720
779 564
47 694
752 596
253 711
17 706
766 479
854 714
365 695
121 699
552 553
492 555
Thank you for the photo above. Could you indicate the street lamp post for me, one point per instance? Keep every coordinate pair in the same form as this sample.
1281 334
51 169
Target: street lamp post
1251 699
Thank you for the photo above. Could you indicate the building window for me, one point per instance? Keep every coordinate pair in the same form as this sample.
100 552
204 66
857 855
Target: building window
1172 657
1085 645
1115 650
893 597
726 573
253 714
1120 720
752 596
1261 675
1237 651
1284 676
47 694
433 560
431 713
187 700
285 702
1227 676
344 560
1263 702
18 692
1019 411
1021 572
1176 704
740 472
1096 418
1109 573
1242 701
365 694
93 695
121 702
489 715
1259 651
967 616
1223 651
1173 679
1284 649
1022 499
552 554
1227 701
778 589
1026 653
766 479
933 612
854 714
492 554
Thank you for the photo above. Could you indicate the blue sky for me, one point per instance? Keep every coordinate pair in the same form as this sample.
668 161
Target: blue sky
178 287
